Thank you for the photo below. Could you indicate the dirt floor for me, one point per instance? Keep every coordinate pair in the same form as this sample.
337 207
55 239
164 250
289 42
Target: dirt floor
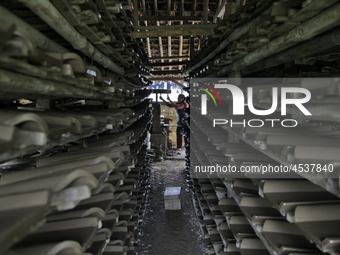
170 232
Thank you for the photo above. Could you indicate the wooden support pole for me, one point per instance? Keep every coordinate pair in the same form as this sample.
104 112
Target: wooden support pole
180 46
205 11
194 8
205 15
144 8
156 7
148 42
192 47
135 12
169 46
169 8
160 45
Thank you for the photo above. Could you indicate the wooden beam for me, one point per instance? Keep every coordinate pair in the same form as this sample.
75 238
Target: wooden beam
205 15
172 57
181 46
159 38
166 64
194 8
184 39
192 48
148 45
199 45
135 12
169 8
176 27
165 51
156 7
160 45
166 18
144 8
148 42
165 72
169 45
186 46
205 11
179 32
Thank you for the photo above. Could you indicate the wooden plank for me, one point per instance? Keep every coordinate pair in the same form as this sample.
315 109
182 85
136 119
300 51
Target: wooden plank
181 46
148 42
192 47
169 7
169 45
205 15
167 64
160 45
194 8
176 27
144 8
170 57
166 33
135 12
182 8
172 18
155 2
205 11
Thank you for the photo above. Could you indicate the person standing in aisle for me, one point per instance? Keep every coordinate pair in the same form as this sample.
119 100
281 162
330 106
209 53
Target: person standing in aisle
179 106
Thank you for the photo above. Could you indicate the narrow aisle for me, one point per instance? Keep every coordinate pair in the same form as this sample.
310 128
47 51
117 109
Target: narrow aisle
170 232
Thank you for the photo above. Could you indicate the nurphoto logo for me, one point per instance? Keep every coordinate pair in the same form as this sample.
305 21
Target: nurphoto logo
240 102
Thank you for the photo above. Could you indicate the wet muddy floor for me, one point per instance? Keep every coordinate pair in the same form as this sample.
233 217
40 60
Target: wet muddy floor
170 232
